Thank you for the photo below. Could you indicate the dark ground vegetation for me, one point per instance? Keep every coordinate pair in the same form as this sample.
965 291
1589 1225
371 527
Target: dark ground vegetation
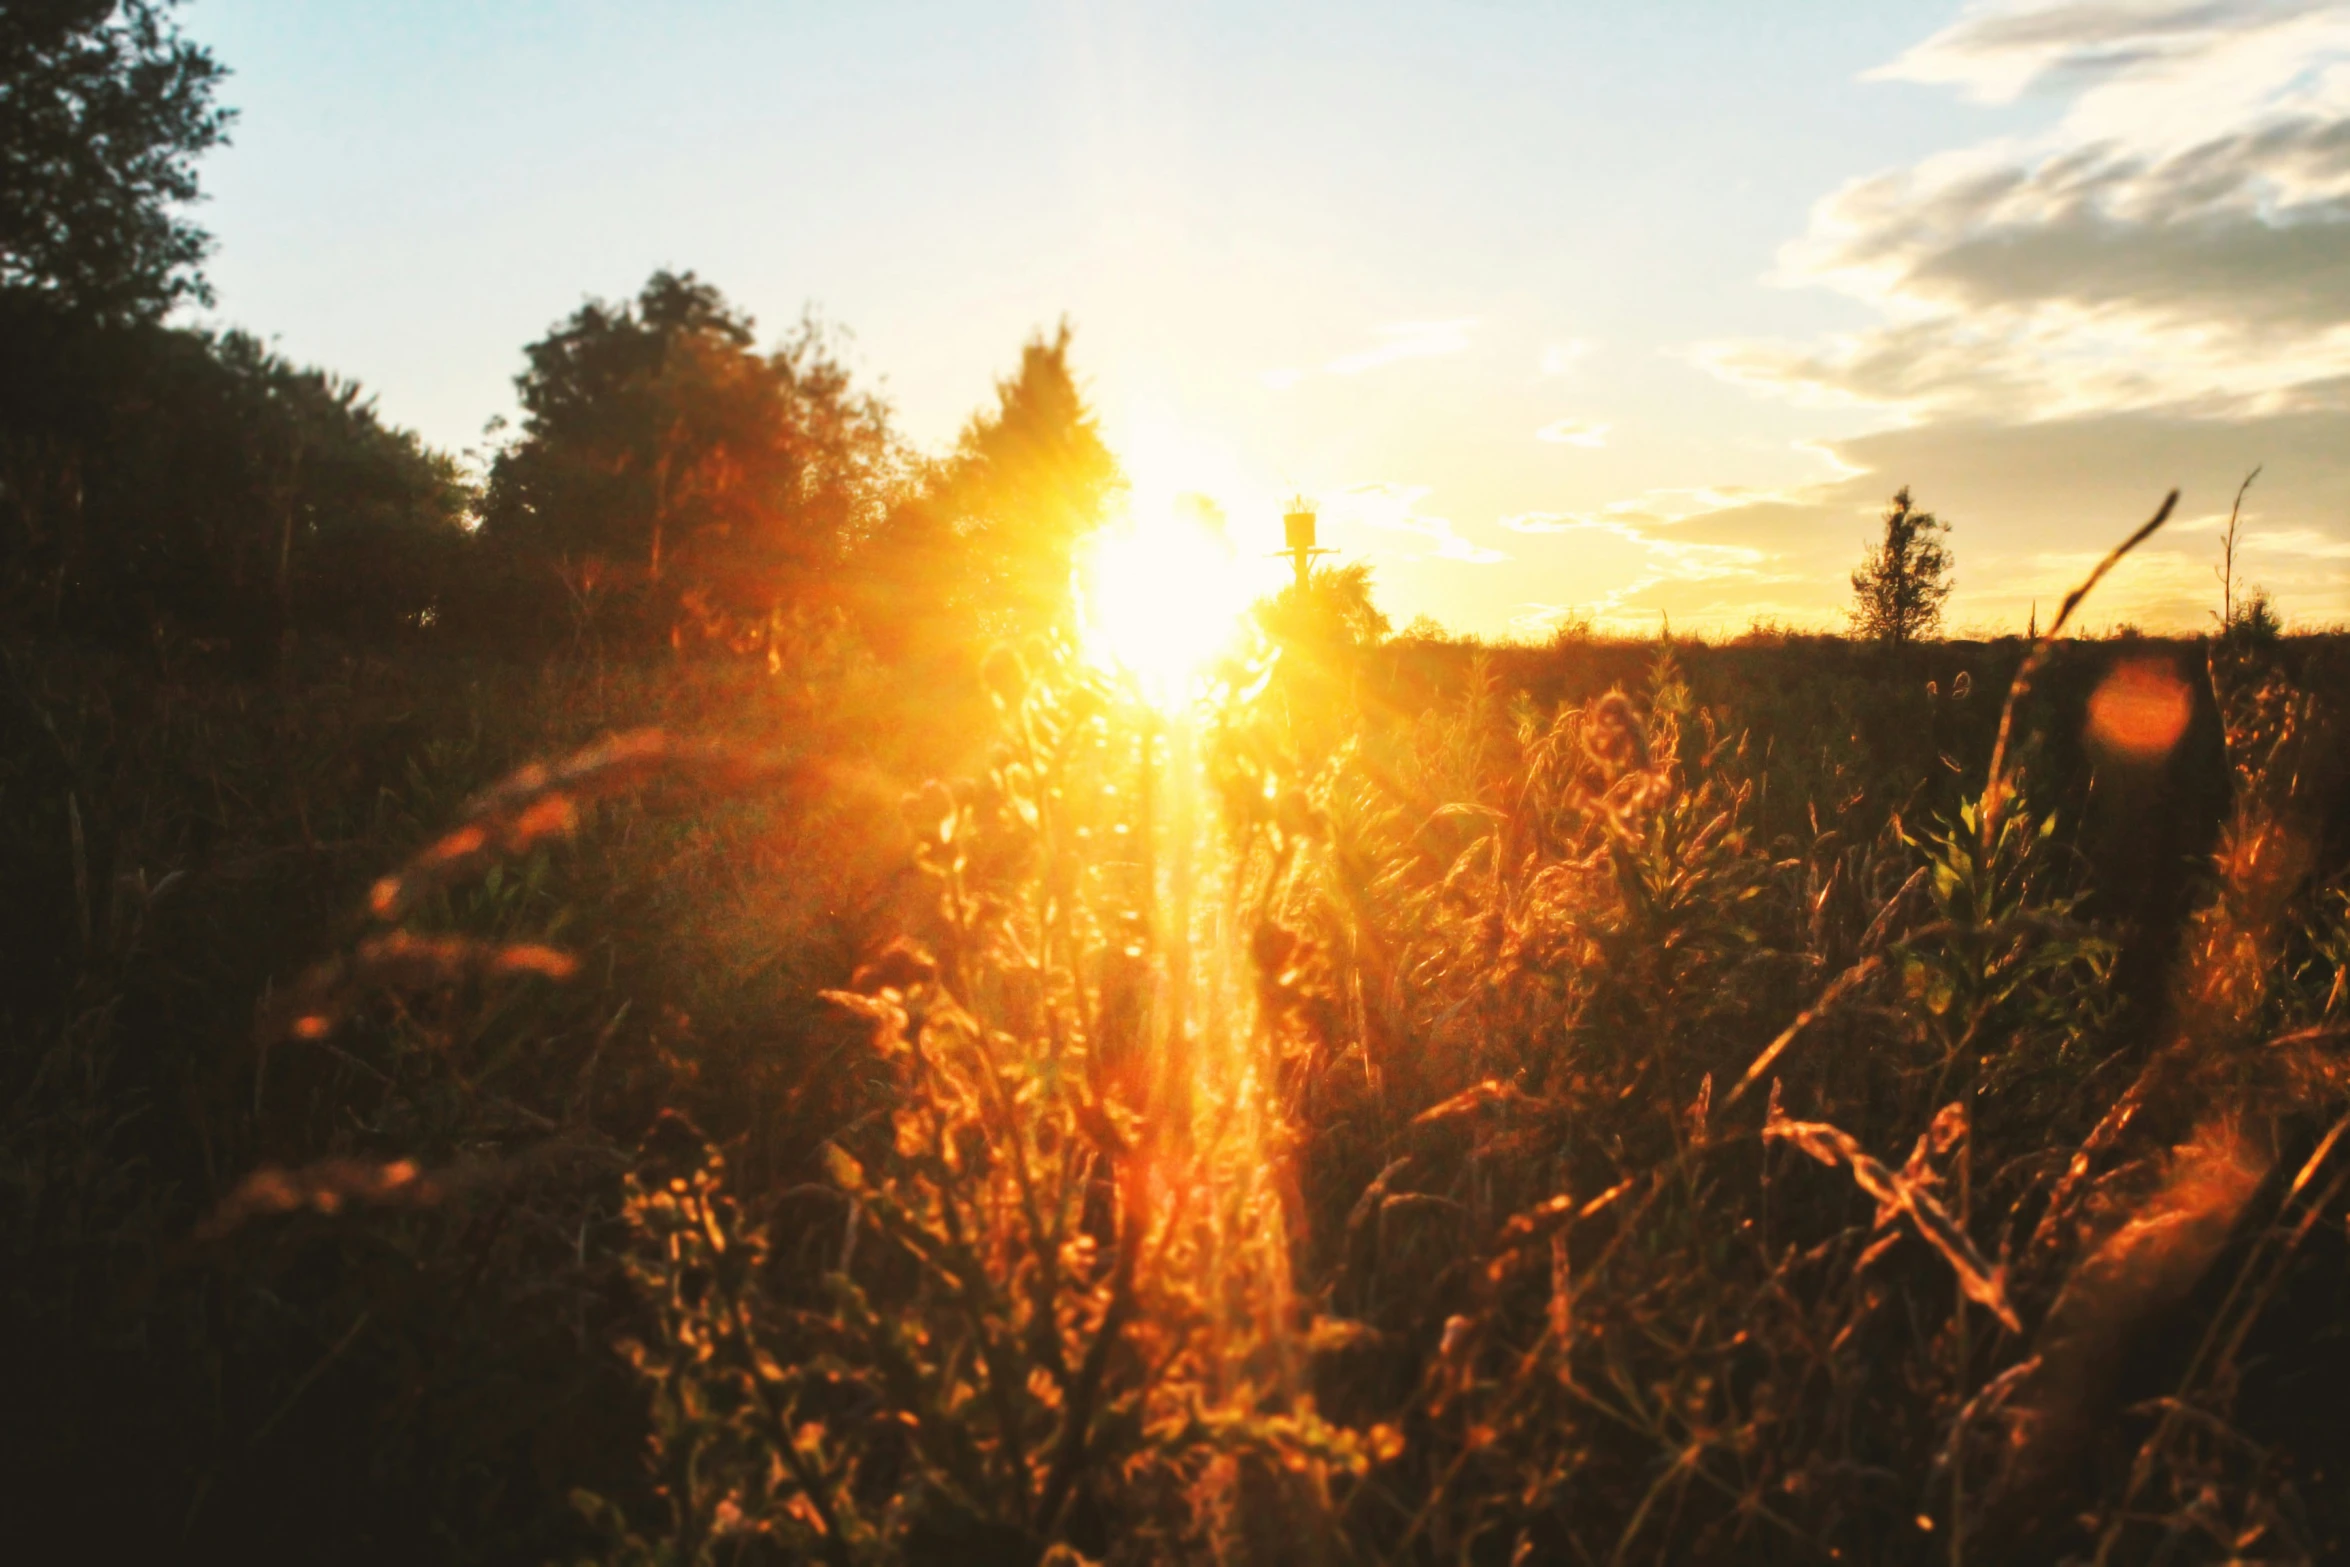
1506 1254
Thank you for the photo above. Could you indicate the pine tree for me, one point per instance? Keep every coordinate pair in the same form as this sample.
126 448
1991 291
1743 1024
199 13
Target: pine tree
982 550
1029 479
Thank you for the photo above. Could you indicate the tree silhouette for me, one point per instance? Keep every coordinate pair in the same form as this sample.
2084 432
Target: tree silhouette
711 480
161 482
981 550
1029 479
103 109
1903 579
1321 627
1332 613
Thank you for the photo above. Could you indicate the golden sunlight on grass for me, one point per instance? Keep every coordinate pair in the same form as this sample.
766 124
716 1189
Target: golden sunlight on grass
1161 593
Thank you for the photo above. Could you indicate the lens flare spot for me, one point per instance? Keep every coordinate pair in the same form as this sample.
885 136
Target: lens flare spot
2140 710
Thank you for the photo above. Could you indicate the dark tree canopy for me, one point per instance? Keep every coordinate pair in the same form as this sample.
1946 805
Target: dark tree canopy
662 456
155 480
1904 577
104 108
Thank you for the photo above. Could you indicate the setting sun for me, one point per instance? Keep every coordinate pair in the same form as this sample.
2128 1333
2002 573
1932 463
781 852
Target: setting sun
1161 593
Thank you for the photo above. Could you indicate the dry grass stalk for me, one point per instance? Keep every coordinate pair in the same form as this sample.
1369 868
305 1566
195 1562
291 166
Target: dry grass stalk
326 1186
1906 1193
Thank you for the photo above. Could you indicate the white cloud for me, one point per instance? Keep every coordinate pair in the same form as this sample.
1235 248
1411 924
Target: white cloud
1394 508
2181 237
1837 467
1626 556
1540 521
2292 544
1559 358
1406 340
1994 52
1666 505
1573 432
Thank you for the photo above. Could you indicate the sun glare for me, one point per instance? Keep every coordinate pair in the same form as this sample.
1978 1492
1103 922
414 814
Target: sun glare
1162 593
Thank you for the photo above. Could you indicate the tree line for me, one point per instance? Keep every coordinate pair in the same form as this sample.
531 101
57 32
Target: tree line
671 482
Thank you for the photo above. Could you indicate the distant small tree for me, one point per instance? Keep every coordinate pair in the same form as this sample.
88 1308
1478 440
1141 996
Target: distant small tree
2254 619
1322 628
1904 578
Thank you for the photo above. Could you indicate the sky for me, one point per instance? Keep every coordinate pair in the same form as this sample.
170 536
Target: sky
1558 311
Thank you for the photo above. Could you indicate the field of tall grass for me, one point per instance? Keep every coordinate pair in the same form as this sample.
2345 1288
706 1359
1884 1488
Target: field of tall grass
1776 1101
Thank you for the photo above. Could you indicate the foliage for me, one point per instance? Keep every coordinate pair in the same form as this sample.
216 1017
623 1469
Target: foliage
407 1380
1028 479
1419 1104
163 486
1044 1327
104 107
2253 618
1904 578
983 549
666 462
177 484
1605 1101
1318 633
1331 613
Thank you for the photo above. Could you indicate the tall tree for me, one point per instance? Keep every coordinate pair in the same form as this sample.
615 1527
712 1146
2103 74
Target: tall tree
104 108
1029 479
660 447
983 549
1904 577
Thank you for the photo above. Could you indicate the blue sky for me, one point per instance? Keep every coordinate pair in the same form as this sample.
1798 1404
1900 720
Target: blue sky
1557 309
